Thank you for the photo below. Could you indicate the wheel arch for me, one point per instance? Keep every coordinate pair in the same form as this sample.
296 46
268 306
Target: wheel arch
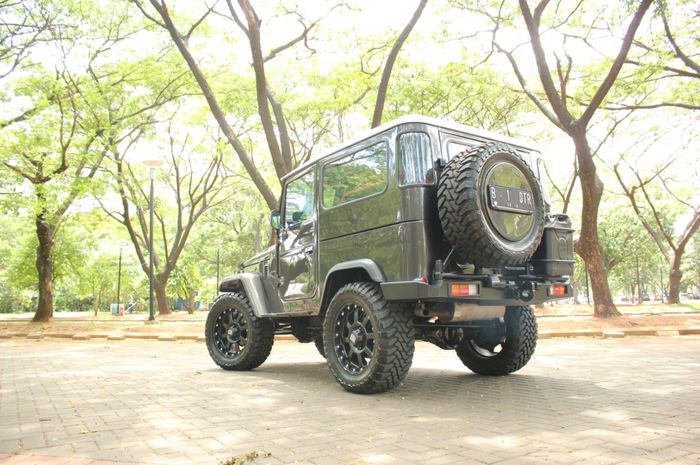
263 301
362 270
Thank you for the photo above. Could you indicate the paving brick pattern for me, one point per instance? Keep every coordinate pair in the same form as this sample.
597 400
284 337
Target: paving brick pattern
591 401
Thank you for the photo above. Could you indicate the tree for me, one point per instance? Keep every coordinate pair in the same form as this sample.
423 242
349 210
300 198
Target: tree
645 193
195 183
55 168
391 60
618 228
667 68
456 91
571 111
692 267
59 144
271 114
22 26
185 282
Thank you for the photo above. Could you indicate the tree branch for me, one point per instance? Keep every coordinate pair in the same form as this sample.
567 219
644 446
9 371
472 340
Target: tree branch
607 83
389 65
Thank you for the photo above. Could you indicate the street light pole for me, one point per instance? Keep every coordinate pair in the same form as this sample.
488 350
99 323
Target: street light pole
151 316
661 282
152 164
119 280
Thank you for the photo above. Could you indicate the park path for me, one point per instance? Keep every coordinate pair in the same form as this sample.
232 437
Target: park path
594 401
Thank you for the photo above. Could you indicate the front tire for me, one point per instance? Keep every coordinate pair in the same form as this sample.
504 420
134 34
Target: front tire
237 339
368 342
497 354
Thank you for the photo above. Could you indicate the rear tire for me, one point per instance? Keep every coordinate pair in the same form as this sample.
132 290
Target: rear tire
237 339
517 344
368 342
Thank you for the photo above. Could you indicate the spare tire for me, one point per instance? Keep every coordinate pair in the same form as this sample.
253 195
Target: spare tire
490 206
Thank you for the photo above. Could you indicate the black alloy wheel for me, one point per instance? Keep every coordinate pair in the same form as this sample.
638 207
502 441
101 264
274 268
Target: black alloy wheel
231 332
354 338
237 339
368 342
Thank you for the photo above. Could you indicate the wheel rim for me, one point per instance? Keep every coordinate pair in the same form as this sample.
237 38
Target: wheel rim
231 332
354 339
511 226
485 351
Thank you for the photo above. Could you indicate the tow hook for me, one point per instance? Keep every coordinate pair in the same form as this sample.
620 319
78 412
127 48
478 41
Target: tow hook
526 291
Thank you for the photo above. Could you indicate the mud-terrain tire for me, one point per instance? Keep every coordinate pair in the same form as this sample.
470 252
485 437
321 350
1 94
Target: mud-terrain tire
318 342
235 337
516 346
482 231
368 342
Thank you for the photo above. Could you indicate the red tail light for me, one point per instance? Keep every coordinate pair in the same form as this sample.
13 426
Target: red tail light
557 290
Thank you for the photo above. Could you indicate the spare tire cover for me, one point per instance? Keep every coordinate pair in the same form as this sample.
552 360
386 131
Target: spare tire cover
490 206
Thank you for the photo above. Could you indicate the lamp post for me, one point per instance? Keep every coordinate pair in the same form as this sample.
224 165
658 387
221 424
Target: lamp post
119 279
661 282
152 164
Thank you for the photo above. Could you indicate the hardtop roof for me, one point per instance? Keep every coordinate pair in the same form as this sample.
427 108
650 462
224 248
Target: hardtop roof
413 119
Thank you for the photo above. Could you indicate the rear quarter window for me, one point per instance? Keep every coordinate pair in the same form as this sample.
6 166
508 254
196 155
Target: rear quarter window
415 160
356 176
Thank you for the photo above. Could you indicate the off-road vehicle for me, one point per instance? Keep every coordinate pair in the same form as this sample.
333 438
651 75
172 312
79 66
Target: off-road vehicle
421 229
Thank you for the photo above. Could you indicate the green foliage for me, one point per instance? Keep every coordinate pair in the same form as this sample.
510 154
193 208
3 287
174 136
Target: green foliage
469 95
625 244
185 280
83 93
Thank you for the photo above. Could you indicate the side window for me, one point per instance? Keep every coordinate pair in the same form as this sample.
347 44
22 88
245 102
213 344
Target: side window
299 201
356 176
416 160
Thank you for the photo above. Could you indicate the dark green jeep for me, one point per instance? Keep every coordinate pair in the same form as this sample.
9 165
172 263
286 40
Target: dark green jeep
421 229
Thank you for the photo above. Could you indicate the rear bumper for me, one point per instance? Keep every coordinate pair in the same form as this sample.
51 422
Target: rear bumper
439 291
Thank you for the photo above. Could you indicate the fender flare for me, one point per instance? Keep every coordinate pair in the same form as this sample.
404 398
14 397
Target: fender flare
370 266
373 270
261 294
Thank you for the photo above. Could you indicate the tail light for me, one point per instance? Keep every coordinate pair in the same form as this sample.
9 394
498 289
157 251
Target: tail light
464 289
557 290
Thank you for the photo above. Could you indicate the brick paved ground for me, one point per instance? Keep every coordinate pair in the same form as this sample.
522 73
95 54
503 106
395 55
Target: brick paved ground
633 400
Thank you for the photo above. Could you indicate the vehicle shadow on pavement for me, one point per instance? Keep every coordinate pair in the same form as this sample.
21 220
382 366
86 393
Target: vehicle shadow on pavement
440 390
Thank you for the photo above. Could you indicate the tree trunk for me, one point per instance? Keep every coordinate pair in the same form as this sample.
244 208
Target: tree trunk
389 65
44 267
674 279
161 295
281 164
190 303
588 246
217 112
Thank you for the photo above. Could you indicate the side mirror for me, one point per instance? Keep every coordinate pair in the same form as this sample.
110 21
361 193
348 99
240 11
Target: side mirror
275 220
